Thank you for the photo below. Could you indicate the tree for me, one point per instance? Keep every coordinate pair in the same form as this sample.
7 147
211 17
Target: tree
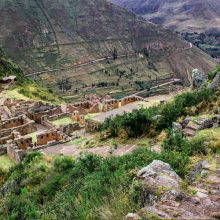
115 54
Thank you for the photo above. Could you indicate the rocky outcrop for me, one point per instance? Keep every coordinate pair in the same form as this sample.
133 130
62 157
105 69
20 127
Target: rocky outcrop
159 175
201 199
199 79
215 85
191 126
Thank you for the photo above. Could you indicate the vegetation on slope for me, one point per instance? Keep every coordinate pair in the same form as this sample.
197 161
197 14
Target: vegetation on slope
23 85
153 120
87 188
91 187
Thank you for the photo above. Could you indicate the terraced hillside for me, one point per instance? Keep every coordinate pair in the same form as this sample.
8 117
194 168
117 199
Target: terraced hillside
85 46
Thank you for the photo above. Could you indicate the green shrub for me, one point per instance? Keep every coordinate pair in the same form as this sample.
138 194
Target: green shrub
63 164
143 121
177 142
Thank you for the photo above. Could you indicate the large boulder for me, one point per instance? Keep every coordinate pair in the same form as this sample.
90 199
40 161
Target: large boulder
159 176
215 84
199 79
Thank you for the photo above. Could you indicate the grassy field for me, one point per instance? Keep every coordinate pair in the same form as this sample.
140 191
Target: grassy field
62 121
6 162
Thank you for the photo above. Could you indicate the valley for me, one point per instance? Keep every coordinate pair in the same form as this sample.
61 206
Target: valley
107 116
197 21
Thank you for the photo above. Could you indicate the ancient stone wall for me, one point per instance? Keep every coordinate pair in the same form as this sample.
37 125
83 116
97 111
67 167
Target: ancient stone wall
15 154
23 143
78 118
91 125
12 122
110 104
37 116
48 136
4 139
70 128
130 99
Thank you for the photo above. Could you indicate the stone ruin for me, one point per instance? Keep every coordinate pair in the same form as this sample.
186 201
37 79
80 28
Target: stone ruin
93 104
21 119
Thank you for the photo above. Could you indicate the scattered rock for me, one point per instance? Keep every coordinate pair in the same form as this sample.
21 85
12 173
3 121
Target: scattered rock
132 216
176 127
206 165
186 122
180 204
155 211
216 121
201 195
205 123
201 168
199 79
156 148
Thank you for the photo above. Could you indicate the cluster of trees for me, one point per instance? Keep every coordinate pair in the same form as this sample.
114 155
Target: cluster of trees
64 84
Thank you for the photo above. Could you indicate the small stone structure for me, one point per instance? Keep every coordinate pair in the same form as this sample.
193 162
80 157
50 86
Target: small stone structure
51 135
130 99
15 153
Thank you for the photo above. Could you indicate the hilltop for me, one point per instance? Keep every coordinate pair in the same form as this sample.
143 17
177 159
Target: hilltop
93 46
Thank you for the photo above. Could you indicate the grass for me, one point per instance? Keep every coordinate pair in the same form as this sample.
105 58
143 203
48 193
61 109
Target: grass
91 116
33 136
62 121
209 134
6 163
77 141
13 94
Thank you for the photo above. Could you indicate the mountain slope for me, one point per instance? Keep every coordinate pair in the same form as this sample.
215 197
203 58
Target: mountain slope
181 15
46 35
197 20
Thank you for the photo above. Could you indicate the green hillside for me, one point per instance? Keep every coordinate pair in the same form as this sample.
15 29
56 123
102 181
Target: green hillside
23 87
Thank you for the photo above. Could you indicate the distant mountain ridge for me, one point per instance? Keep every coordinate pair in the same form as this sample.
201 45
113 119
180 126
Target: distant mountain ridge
50 38
198 21
181 15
